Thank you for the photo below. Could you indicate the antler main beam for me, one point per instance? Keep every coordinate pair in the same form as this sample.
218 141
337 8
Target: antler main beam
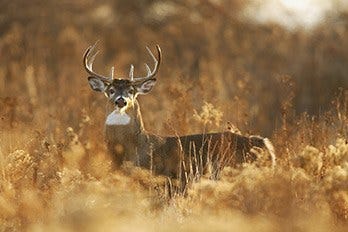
151 73
88 59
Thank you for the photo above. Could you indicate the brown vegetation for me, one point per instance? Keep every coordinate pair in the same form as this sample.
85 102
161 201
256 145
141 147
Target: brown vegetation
289 85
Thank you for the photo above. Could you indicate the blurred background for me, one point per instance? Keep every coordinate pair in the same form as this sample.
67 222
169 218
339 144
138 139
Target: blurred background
250 63
277 68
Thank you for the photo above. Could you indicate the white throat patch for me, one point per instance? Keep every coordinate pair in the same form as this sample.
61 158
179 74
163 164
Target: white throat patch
117 118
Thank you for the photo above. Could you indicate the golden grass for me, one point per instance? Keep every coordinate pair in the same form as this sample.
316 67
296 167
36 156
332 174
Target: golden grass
68 185
217 73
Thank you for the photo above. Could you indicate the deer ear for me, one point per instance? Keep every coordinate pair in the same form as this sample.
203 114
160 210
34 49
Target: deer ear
97 84
146 86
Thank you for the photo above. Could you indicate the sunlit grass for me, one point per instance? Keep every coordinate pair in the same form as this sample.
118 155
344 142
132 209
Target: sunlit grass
218 73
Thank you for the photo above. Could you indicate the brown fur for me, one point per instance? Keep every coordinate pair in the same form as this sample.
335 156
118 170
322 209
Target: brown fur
171 156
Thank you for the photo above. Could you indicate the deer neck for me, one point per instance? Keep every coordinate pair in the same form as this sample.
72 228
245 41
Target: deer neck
128 122
125 134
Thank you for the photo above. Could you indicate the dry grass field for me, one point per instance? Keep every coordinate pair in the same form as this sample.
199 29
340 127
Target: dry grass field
219 70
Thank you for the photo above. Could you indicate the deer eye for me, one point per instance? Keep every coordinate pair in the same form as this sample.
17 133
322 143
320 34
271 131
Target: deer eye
111 91
131 91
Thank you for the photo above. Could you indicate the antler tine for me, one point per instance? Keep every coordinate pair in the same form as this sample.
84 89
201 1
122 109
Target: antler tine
148 69
157 61
151 74
112 72
131 72
88 59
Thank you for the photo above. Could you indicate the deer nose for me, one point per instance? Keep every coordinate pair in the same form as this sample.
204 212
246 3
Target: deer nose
120 102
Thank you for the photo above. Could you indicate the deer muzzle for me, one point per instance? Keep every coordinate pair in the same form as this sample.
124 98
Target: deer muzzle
121 102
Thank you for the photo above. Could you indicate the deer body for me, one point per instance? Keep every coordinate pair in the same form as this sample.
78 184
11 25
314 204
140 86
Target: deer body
127 139
166 155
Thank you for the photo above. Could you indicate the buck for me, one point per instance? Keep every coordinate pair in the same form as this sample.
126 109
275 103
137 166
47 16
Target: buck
127 139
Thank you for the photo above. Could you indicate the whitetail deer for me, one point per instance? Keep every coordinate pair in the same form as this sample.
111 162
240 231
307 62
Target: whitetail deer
127 140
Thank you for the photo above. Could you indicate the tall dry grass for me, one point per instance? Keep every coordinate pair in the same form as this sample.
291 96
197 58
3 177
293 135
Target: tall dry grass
56 174
70 186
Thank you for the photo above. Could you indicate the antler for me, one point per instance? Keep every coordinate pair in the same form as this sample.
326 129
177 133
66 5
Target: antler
150 74
88 59
91 53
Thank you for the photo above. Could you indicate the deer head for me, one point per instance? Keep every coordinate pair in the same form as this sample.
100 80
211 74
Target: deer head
121 92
